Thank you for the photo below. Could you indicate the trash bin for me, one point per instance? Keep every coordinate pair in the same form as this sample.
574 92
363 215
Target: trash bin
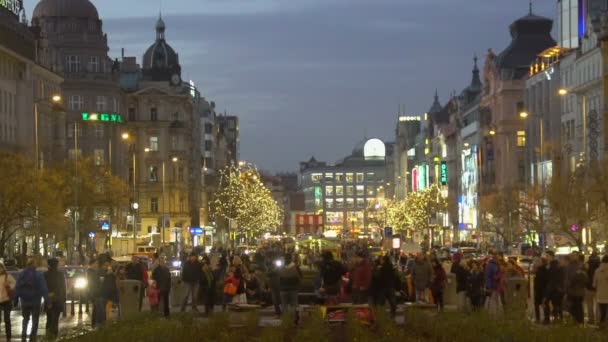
516 295
128 294
449 294
178 291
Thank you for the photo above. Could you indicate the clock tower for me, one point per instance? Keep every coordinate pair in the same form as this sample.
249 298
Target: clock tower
161 62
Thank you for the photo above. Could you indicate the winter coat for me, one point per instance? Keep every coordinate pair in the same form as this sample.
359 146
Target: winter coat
422 274
555 280
108 289
289 278
162 276
31 287
462 275
191 272
475 284
55 283
592 266
491 275
362 276
439 278
600 282
387 277
540 282
577 282
4 280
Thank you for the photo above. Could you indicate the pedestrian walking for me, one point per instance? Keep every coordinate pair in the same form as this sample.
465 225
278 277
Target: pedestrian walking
575 290
362 278
136 271
492 278
7 293
422 275
554 293
331 274
540 286
461 270
30 289
438 283
476 285
240 271
191 275
231 285
386 284
591 304
600 283
162 280
55 282
289 280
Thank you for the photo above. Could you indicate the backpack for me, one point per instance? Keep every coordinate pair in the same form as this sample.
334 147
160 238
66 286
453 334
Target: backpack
28 288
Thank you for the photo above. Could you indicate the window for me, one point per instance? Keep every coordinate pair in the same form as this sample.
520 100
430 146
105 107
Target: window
115 105
339 177
153 114
101 103
339 190
94 64
154 205
99 131
360 190
329 191
350 177
360 177
371 192
72 63
131 114
360 203
180 174
182 205
350 190
208 128
316 177
208 145
153 144
350 203
329 177
75 102
371 177
174 142
98 156
329 203
339 203
521 138
153 174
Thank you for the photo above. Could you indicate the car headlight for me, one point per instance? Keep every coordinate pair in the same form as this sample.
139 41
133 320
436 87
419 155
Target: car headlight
177 263
80 283
278 263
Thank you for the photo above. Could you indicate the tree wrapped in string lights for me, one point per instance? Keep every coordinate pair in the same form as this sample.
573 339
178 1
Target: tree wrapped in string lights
243 199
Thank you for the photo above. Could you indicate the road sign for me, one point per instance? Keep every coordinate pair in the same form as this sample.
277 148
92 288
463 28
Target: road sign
196 231
105 225
388 232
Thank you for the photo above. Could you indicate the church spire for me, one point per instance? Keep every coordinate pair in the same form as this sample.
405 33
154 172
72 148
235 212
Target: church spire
436 106
530 7
475 81
160 27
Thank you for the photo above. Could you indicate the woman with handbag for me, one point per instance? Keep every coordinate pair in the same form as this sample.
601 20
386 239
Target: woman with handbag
231 285
7 293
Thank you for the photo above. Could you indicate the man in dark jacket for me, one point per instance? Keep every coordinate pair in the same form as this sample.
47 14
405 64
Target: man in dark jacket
577 281
331 274
540 285
289 280
162 277
387 283
30 289
135 271
554 292
55 282
461 271
191 276
592 265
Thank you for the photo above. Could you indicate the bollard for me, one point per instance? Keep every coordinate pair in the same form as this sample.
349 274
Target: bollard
516 295
128 295
86 308
72 310
79 303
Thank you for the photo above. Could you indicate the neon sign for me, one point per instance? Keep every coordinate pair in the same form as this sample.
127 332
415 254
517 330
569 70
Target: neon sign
444 173
14 7
102 117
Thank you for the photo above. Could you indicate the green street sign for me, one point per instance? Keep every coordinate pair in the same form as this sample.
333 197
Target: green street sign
103 117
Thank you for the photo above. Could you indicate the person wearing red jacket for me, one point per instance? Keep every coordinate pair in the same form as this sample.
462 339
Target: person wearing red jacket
362 279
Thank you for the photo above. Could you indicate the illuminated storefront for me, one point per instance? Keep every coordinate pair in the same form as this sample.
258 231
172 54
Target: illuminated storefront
468 200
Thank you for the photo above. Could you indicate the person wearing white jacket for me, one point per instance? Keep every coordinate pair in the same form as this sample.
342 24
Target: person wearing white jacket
600 283
7 288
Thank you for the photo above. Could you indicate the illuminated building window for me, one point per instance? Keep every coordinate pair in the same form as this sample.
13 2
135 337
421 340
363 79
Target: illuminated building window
153 205
371 192
521 138
360 190
350 190
329 203
153 144
153 174
73 63
339 203
360 177
339 177
339 190
75 102
316 177
350 177
329 177
360 203
350 203
329 191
